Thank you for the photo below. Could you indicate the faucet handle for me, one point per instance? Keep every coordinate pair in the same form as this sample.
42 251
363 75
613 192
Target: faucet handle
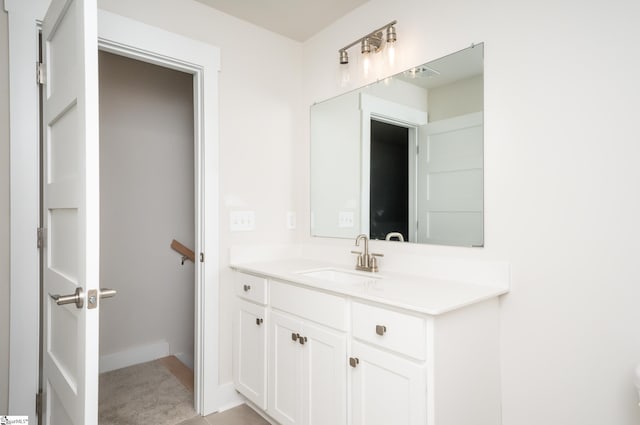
360 259
373 254
373 264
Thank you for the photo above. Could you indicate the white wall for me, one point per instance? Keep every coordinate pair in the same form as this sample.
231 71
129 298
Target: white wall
4 212
561 196
335 128
561 166
260 125
459 98
146 201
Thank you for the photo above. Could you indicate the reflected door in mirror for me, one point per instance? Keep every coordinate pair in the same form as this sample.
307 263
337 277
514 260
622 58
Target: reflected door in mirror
389 191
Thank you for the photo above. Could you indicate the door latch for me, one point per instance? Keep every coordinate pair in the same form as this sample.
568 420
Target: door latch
92 296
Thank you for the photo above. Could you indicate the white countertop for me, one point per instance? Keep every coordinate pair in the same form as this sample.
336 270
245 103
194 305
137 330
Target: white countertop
418 294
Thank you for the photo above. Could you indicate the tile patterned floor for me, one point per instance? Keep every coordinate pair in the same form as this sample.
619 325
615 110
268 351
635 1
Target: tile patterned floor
241 415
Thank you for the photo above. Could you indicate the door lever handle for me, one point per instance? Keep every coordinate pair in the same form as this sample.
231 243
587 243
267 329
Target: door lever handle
107 293
92 299
75 298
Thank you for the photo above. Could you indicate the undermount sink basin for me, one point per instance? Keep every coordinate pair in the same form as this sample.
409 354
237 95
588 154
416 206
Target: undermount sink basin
338 276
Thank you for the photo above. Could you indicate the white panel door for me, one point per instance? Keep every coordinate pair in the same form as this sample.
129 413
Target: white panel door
386 389
325 376
450 181
250 367
71 211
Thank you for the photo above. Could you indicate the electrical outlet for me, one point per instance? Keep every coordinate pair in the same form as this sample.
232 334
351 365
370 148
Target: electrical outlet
242 221
345 219
291 220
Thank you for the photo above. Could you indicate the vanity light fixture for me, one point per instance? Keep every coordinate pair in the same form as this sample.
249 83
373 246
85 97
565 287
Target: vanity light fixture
373 42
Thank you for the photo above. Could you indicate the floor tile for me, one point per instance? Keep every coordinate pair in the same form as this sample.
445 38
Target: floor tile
198 420
241 415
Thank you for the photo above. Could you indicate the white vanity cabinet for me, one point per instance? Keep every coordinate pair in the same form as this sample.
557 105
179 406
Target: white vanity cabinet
387 358
307 361
333 356
386 388
250 339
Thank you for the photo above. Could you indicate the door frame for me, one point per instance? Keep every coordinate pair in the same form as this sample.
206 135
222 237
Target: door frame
372 107
126 37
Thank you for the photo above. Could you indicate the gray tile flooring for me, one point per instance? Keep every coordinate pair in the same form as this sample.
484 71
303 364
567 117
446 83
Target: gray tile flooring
241 415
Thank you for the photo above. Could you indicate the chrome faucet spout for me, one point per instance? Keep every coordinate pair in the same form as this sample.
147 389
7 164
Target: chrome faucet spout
365 261
364 238
392 235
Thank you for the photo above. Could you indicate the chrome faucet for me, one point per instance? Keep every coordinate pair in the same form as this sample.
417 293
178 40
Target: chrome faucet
365 261
397 235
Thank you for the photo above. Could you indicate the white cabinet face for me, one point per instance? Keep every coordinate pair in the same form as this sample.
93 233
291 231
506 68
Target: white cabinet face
334 359
325 368
285 370
250 366
386 389
307 375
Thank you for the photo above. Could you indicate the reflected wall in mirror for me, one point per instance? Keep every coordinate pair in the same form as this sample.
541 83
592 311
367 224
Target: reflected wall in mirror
402 158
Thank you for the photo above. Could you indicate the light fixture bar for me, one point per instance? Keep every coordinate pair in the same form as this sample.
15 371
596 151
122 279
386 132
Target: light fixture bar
372 34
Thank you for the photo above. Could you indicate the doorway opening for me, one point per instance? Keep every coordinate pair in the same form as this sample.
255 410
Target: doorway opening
389 181
147 199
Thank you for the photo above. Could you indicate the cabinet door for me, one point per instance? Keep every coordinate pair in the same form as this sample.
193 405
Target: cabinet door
386 389
325 376
285 370
250 366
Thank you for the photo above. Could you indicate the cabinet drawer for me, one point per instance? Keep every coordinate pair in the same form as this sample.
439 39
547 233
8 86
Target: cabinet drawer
390 329
252 288
318 306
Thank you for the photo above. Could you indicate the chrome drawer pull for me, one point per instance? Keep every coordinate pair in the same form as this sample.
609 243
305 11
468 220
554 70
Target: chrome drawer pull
381 330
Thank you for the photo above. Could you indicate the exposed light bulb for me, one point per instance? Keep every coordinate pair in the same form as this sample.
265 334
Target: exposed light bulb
391 53
366 64
391 45
345 75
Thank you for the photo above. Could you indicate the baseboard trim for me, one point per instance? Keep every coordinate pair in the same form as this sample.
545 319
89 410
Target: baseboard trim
261 412
186 359
134 355
228 397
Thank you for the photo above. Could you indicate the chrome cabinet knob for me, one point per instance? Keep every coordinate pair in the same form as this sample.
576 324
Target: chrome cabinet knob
246 288
353 361
381 329
258 321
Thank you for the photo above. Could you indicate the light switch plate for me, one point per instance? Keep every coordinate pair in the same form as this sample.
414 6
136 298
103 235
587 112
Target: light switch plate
242 221
345 219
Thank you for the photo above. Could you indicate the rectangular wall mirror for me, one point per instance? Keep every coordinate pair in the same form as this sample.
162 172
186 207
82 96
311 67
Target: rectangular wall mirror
402 158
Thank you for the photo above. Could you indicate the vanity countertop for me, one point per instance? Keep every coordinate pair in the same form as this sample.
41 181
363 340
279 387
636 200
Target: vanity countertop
414 293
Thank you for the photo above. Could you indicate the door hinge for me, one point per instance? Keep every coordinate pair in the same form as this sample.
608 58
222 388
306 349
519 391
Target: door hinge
40 73
39 404
417 149
42 237
202 257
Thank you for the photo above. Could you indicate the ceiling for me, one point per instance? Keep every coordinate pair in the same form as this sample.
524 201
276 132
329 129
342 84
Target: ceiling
457 66
295 19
